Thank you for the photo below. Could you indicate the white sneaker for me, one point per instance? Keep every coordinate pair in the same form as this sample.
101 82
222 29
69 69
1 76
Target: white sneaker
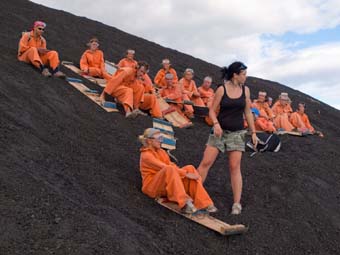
236 209
189 208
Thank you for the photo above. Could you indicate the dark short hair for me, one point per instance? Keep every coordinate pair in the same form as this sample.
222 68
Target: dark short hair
236 67
143 63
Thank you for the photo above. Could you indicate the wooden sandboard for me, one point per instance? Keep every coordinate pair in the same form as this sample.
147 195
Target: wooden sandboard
201 111
72 67
167 131
90 94
174 117
205 220
294 133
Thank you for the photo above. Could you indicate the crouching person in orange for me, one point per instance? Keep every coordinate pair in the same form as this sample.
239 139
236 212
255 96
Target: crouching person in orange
189 88
161 177
264 120
173 92
125 87
32 49
160 76
207 96
92 61
282 111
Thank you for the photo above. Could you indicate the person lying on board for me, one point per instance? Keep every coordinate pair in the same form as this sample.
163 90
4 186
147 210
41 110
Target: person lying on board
300 121
264 121
127 88
163 178
92 61
172 91
282 111
189 89
228 134
207 96
32 49
160 76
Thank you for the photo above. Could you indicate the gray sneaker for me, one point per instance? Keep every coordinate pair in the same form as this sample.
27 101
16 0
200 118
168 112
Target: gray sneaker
189 208
211 209
236 209
46 73
131 115
59 74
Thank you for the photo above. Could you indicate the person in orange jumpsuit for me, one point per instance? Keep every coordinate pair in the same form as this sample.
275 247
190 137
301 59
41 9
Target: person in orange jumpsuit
92 61
127 88
173 92
32 49
189 89
300 120
150 101
207 96
160 76
264 122
163 178
129 61
282 111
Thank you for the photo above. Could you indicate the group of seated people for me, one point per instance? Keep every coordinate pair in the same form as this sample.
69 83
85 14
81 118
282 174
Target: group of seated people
280 116
134 89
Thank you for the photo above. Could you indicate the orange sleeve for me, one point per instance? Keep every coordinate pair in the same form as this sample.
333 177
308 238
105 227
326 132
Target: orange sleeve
121 63
23 43
307 122
148 160
159 77
102 61
269 111
117 79
83 62
174 73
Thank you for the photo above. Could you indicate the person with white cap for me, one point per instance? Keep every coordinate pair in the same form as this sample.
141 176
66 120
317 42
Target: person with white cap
163 178
282 111
160 76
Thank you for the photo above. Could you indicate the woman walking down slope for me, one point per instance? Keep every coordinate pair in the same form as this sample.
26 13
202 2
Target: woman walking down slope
161 177
228 133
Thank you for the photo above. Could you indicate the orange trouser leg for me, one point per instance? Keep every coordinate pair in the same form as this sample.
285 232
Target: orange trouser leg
31 56
195 189
51 58
198 101
95 72
151 103
281 121
138 94
261 124
124 95
296 120
167 182
107 76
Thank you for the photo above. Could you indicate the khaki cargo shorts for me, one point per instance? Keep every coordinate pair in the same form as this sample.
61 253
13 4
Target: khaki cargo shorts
230 141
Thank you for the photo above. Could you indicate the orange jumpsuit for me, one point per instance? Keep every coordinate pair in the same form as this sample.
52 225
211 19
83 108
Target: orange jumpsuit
174 93
301 121
189 87
160 77
263 121
281 118
94 62
150 101
126 88
161 177
28 51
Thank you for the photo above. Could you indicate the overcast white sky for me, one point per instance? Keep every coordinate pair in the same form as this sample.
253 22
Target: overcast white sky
294 42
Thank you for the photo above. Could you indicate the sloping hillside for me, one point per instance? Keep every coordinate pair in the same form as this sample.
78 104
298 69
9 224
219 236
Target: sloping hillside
69 178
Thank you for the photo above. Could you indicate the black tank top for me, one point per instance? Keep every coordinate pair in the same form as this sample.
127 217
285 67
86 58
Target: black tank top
231 111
